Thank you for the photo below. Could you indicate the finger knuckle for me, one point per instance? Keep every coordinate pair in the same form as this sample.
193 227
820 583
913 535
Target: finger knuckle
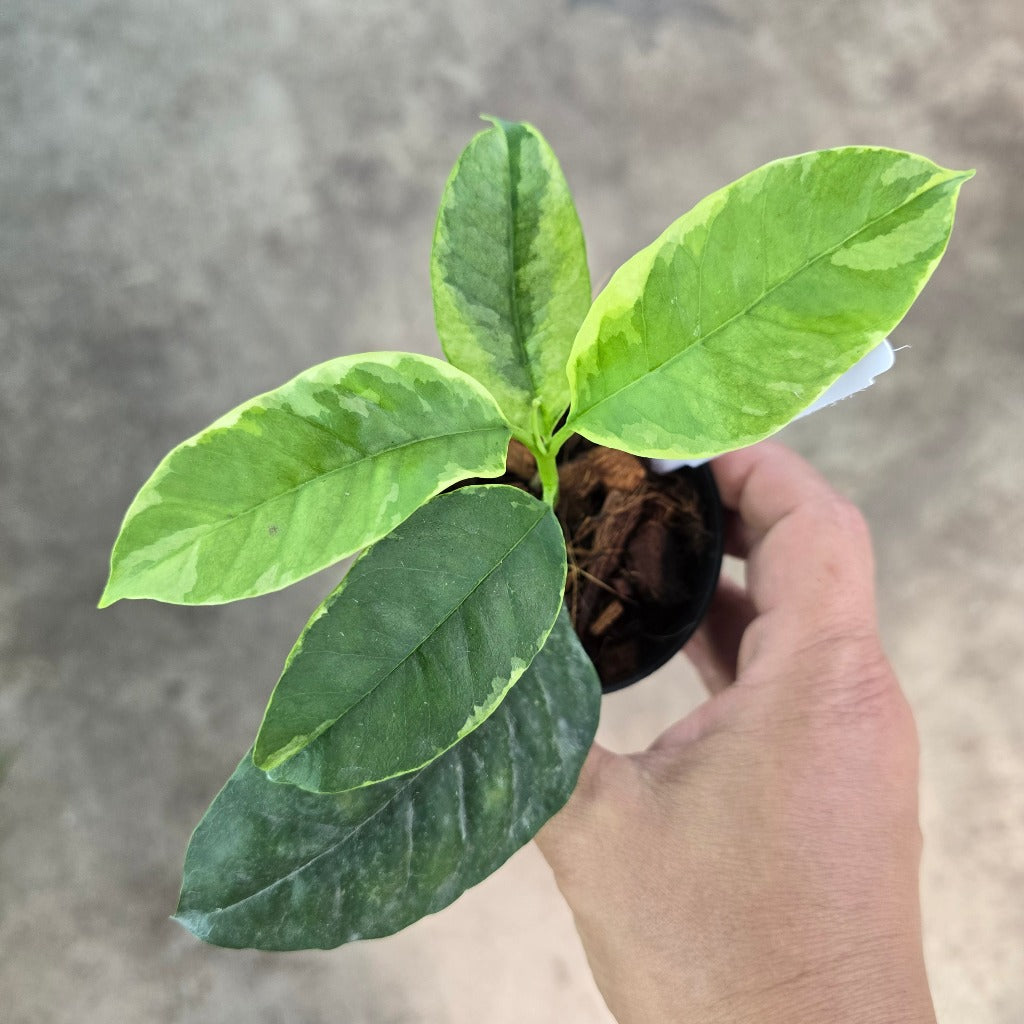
850 671
842 518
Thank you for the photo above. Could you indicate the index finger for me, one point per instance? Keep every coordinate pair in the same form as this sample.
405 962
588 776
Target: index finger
808 548
766 482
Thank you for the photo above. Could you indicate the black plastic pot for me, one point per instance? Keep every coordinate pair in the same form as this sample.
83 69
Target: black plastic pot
660 647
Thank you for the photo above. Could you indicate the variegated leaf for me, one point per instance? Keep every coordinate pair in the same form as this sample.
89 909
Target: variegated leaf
298 478
749 306
509 273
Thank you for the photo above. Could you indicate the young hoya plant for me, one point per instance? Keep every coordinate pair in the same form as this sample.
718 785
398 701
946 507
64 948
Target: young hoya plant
436 709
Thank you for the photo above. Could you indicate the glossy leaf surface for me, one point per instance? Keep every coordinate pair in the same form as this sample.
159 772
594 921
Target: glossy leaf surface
274 867
419 644
749 306
509 272
302 476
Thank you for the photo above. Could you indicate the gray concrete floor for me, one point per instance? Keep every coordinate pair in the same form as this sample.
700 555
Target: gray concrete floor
200 199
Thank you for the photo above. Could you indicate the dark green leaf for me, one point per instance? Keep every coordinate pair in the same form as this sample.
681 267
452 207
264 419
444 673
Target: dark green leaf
274 867
419 644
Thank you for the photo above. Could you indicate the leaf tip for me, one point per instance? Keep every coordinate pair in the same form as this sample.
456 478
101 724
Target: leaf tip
504 125
956 178
192 921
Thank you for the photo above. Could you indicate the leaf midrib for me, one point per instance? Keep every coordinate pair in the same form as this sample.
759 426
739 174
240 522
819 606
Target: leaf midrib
761 298
513 291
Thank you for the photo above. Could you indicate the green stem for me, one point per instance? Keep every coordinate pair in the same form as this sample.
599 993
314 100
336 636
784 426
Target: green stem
548 476
561 436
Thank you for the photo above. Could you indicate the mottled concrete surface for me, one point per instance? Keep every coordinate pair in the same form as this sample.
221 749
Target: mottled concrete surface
199 199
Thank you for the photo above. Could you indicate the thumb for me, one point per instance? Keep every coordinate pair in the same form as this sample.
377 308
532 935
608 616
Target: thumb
567 835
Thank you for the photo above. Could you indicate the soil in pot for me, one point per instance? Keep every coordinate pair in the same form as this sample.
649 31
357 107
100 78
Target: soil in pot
644 553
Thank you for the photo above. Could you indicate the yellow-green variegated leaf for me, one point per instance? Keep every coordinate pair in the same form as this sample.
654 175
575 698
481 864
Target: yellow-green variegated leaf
273 867
749 306
419 644
509 272
300 477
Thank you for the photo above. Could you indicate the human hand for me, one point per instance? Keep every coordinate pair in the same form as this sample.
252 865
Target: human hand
759 862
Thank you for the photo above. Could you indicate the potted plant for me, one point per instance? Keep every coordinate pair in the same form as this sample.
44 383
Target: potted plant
436 709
